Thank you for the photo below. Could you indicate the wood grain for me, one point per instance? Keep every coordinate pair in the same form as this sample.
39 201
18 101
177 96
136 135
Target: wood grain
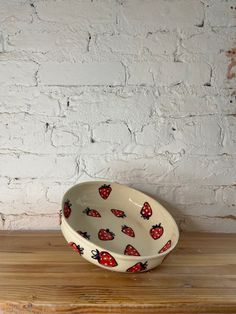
39 273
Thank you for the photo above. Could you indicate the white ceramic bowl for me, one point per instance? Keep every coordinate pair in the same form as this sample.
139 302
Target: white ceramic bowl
117 227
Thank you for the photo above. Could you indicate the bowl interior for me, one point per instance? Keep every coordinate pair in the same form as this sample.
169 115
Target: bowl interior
119 219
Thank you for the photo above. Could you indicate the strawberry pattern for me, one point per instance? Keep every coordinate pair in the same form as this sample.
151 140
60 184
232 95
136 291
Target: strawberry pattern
92 212
165 247
146 211
105 235
105 191
130 250
104 258
76 248
67 208
138 267
128 231
118 213
156 231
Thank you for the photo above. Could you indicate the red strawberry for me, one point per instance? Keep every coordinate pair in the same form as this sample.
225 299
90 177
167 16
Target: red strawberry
91 212
105 235
146 211
76 248
84 234
156 231
67 209
137 267
104 258
105 191
165 247
128 230
118 213
130 250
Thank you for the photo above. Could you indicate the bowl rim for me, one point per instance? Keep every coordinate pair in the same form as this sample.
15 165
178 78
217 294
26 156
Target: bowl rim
121 256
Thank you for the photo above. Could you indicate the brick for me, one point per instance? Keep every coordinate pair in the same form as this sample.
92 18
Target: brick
139 150
15 11
194 135
70 139
152 15
29 208
99 149
199 135
10 192
64 138
33 166
104 73
226 195
211 210
34 192
55 192
93 106
54 43
187 73
142 73
161 43
206 224
157 135
31 222
31 201
181 101
210 43
14 99
18 99
128 170
192 194
219 76
116 133
219 13
177 105
231 128
15 134
169 73
18 73
98 14
210 170
43 104
160 192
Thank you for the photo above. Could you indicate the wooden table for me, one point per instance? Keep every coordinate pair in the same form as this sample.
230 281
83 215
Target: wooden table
39 273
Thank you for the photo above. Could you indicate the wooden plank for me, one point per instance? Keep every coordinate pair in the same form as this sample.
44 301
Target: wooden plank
40 274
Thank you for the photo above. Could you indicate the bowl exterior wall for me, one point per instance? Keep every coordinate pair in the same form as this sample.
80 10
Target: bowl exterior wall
124 264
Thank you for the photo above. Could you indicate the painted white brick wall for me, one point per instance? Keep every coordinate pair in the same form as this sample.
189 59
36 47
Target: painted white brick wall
134 91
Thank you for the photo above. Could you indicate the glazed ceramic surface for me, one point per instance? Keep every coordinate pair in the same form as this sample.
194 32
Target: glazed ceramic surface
117 227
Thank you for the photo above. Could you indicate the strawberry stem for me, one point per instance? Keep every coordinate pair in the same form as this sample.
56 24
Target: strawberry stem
67 202
95 254
86 210
104 186
156 226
